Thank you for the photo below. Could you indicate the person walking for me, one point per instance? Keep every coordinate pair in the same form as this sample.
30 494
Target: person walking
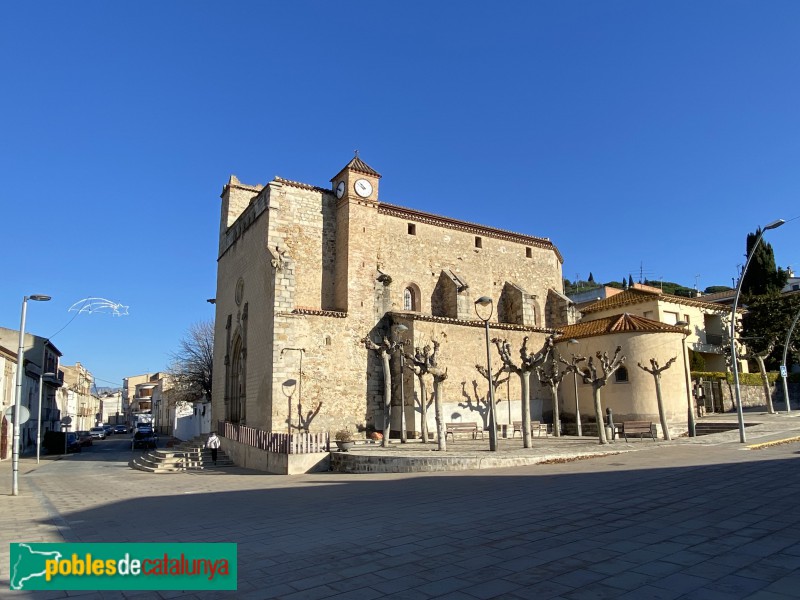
213 444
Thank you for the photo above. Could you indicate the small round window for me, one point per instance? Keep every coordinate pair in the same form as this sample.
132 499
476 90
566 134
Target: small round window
239 291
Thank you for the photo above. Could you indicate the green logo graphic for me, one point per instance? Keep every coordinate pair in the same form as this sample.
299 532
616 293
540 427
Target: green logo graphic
123 566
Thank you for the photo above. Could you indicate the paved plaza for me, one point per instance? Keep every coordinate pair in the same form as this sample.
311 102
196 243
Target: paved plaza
703 518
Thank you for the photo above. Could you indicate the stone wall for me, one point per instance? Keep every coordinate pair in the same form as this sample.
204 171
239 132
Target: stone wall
317 274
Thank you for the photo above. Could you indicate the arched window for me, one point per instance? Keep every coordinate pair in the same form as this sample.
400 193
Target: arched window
621 375
408 299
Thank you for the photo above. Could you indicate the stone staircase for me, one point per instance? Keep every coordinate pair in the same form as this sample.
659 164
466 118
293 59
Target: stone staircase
186 456
711 427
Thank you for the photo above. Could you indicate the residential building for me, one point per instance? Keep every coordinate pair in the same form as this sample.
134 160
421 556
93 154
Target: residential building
8 374
77 400
706 321
40 382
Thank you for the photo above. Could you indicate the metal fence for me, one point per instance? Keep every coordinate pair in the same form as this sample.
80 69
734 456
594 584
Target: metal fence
281 443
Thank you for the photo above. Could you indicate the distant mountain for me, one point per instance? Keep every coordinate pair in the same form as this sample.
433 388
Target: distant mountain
107 390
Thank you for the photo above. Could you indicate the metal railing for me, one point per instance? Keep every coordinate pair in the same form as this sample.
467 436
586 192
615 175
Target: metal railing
280 443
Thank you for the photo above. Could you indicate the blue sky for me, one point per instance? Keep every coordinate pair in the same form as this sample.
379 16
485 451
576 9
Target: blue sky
634 134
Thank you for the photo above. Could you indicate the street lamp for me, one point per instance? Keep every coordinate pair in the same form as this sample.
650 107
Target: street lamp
783 364
684 351
577 403
299 385
398 329
18 393
485 301
734 360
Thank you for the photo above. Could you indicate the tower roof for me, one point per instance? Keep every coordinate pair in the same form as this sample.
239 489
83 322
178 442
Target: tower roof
356 164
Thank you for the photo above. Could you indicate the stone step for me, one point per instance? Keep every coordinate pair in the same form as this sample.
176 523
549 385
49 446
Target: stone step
176 461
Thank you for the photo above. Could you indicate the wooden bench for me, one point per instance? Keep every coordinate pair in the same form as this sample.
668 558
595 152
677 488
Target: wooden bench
469 427
640 428
536 427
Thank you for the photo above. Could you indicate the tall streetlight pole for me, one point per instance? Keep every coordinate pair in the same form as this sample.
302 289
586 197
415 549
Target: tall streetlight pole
398 329
299 385
577 403
485 301
18 393
734 359
686 377
784 371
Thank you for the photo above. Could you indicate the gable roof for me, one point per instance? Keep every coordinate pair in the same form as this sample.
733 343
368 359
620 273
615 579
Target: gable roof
638 296
620 323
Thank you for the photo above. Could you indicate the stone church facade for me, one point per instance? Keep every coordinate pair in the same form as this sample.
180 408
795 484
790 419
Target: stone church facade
306 272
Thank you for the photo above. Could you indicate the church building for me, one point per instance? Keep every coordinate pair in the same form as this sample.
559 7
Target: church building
305 273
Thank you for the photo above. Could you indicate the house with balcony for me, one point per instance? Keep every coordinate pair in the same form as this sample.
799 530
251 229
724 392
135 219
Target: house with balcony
42 370
707 322
77 400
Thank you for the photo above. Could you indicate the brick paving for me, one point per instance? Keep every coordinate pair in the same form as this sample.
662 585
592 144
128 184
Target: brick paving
700 518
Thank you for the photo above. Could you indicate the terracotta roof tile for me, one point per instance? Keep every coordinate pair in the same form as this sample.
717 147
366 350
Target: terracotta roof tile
637 296
624 322
359 165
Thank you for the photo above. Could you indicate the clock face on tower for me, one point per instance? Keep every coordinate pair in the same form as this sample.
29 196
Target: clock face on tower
340 189
363 188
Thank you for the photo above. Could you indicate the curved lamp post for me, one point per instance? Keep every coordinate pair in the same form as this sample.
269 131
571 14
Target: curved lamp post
784 372
485 301
577 403
299 385
18 393
686 376
398 329
734 359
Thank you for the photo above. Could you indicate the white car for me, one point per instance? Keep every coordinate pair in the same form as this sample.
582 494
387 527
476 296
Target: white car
98 433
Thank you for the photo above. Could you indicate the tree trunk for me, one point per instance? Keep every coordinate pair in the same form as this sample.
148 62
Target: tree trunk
423 394
524 380
765 383
440 431
387 398
598 414
556 414
662 417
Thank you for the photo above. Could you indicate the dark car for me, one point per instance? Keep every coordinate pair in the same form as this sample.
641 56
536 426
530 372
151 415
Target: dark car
73 443
109 428
120 429
84 438
144 439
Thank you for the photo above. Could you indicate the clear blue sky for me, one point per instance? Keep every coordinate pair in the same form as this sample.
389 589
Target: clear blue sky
654 134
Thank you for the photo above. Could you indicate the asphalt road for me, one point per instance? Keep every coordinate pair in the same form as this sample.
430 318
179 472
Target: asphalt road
685 521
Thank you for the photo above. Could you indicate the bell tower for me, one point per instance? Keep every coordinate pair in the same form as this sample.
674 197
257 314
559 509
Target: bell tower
356 191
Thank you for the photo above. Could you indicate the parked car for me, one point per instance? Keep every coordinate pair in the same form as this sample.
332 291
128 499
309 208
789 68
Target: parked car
98 433
84 438
73 444
144 439
109 428
120 428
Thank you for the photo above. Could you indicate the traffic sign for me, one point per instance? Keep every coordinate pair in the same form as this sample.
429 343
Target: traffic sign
783 370
24 414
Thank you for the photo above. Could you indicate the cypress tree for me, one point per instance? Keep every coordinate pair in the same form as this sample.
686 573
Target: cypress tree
762 276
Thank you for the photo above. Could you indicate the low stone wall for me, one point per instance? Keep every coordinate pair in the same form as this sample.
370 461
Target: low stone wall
273 462
753 396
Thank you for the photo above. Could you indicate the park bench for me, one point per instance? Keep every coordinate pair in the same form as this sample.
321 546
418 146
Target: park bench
470 427
640 428
537 427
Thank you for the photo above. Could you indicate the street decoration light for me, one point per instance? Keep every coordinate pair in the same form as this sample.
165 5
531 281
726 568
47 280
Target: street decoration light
485 301
784 372
734 359
18 392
